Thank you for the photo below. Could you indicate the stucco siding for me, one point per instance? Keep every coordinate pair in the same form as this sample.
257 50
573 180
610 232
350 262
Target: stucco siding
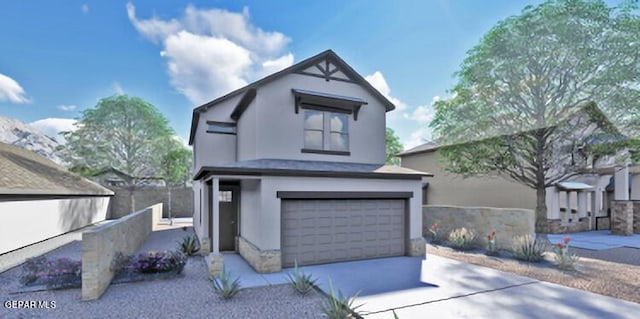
247 131
250 210
280 130
270 228
24 222
446 188
212 148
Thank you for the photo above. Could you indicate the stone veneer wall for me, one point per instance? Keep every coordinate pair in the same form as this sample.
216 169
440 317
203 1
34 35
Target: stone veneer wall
263 261
181 200
101 244
636 216
417 247
555 226
507 222
622 217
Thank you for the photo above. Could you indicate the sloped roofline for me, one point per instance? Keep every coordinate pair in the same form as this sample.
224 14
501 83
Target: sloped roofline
328 54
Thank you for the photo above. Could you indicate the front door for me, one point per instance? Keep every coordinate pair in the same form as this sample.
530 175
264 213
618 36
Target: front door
228 217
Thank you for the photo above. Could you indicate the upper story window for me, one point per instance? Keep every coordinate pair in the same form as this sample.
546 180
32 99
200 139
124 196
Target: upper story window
221 127
326 120
326 131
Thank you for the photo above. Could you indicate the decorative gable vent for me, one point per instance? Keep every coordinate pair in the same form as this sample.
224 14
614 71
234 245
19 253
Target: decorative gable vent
327 70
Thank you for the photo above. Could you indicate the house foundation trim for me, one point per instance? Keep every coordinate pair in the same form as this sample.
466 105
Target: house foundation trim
263 261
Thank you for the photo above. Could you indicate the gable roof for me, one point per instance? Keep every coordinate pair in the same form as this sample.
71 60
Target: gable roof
23 172
249 90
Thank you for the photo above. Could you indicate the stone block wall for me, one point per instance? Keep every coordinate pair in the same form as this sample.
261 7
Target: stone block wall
263 261
181 200
622 217
101 244
507 222
636 216
556 226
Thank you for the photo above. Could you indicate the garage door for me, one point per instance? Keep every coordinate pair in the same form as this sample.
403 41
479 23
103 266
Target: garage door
324 231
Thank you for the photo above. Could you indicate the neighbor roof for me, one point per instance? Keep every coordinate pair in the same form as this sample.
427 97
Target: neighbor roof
251 88
23 172
423 148
279 167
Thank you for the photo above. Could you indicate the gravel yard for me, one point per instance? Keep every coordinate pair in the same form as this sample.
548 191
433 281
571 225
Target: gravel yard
188 296
619 279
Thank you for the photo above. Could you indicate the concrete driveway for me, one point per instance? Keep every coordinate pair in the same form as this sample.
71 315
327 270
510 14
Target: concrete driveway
416 288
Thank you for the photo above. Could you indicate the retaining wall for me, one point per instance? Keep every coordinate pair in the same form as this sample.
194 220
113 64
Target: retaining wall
101 244
507 222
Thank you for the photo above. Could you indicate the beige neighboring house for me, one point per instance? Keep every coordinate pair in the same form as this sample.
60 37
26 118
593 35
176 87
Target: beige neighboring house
291 168
40 199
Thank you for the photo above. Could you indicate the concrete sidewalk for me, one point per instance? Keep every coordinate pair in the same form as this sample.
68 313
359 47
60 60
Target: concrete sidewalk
416 288
598 240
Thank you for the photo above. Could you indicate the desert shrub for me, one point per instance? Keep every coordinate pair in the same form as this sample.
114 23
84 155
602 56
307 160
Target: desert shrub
53 273
190 245
491 244
462 238
529 248
435 236
563 257
299 281
337 306
155 262
225 286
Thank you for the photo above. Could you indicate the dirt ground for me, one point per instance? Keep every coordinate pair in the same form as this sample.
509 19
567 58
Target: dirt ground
620 279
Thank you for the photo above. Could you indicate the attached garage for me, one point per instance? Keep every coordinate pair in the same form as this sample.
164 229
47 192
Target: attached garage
316 231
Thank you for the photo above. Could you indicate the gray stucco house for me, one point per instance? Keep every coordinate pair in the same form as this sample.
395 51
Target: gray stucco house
291 168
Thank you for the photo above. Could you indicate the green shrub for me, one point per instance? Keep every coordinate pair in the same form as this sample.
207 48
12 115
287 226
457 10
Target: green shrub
529 248
337 306
155 262
190 245
225 286
53 273
299 281
462 238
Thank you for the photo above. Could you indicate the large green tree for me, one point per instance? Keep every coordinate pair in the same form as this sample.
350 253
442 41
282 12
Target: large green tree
176 166
393 147
513 109
126 133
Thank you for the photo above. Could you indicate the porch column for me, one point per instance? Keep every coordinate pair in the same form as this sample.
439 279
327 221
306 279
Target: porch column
635 187
553 203
215 222
622 183
582 204
567 210
596 202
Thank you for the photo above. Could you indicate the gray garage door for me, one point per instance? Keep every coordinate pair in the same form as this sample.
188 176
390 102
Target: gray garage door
323 231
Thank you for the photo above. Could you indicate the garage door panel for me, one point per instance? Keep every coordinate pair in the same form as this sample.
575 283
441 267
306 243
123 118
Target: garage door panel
322 231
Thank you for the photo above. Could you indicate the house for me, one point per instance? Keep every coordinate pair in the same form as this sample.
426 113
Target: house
579 203
40 199
290 168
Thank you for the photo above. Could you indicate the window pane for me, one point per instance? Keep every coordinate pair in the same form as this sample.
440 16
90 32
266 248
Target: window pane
217 128
313 120
339 123
339 142
225 196
313 139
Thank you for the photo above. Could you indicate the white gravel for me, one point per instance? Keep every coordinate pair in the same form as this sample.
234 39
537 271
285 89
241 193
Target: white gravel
188 296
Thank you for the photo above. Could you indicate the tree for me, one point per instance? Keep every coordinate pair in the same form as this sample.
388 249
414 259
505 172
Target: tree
513 108
393 147
175 167
121 132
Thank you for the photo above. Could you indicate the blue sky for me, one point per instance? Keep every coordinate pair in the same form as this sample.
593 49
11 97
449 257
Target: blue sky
58 58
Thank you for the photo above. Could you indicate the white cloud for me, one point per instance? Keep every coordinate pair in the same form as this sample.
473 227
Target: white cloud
422 114
378 81
84 8
11 91
210 52
53 126
117 88
66 107
417 137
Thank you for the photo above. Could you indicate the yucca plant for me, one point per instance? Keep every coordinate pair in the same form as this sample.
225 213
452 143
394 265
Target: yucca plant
529 248
190 245
462 238
337 306
299 281
225 286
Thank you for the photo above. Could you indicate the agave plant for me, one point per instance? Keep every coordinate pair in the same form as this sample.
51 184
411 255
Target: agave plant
225 286
190 245
299 281
338 306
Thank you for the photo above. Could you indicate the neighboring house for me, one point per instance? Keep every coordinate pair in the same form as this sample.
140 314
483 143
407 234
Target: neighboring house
291 168
40 199
586 194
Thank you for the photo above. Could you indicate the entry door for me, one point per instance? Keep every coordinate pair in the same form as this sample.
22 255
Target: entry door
228 217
